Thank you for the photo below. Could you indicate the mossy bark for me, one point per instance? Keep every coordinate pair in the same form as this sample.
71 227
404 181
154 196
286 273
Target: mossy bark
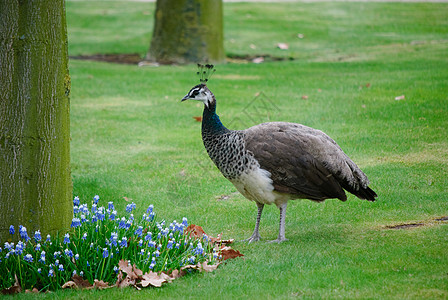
35 182
187 31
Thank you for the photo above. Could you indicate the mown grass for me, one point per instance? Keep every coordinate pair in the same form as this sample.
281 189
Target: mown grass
132 138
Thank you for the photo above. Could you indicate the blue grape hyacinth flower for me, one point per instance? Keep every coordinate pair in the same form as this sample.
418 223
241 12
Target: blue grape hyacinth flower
122 223
114 238
139 231
19 248
130 207
170 244
37 236
23 233
68 252
28 258
66 238
124 242
76 222
112 215
42 257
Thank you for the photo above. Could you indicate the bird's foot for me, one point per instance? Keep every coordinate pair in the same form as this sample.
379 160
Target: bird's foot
252 239
278 240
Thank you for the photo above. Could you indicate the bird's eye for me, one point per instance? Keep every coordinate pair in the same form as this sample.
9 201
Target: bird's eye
195 92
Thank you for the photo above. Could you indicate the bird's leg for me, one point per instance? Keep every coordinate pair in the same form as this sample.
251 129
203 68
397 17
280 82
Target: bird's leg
281 232
255 237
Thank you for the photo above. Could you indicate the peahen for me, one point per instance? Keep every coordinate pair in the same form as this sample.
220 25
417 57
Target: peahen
278 161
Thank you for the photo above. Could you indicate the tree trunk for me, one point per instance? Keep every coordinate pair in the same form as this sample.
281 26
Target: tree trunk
187 31
35 182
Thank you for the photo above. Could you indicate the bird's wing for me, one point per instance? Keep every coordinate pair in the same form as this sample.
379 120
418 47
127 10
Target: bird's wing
303 161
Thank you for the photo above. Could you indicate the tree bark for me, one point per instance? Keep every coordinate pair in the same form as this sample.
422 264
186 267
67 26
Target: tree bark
187 31
35 180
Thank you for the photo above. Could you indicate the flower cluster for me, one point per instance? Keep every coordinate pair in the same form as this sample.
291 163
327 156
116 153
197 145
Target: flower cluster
97 241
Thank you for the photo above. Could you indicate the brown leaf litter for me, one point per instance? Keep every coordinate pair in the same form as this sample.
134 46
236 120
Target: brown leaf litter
130 275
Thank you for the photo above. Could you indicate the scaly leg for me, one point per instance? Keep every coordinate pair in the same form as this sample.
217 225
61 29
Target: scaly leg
255 237
281 232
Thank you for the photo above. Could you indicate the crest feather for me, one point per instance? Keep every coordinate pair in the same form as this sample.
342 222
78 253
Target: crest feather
205 72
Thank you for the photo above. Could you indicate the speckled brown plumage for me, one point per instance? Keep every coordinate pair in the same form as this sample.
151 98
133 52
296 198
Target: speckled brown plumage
305 162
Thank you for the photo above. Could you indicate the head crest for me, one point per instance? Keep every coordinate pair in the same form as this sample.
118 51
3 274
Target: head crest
205 72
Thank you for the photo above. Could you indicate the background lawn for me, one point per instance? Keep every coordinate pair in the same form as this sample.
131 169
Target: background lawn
131 137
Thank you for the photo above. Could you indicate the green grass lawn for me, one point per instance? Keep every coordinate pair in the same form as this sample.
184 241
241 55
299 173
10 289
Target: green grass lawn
131 137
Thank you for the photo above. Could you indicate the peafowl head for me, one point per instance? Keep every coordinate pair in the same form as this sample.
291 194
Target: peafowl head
201 92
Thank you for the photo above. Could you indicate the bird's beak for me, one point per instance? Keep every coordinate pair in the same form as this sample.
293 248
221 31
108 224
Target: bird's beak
184 98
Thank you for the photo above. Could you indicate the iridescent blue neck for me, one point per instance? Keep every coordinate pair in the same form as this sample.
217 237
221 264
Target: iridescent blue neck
210 121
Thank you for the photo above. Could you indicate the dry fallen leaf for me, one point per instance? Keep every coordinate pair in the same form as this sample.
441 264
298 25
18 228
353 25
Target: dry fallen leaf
99 284
201 267
152 279
229 253
194 267
130 278
175 274
120 282
400 98
226 242
209 268
305 97
367 85
198 118
124 266
137 271
223 197
80 282
283 46
182 173
69 284
220 241
216 240
195 231
258 60
165 276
